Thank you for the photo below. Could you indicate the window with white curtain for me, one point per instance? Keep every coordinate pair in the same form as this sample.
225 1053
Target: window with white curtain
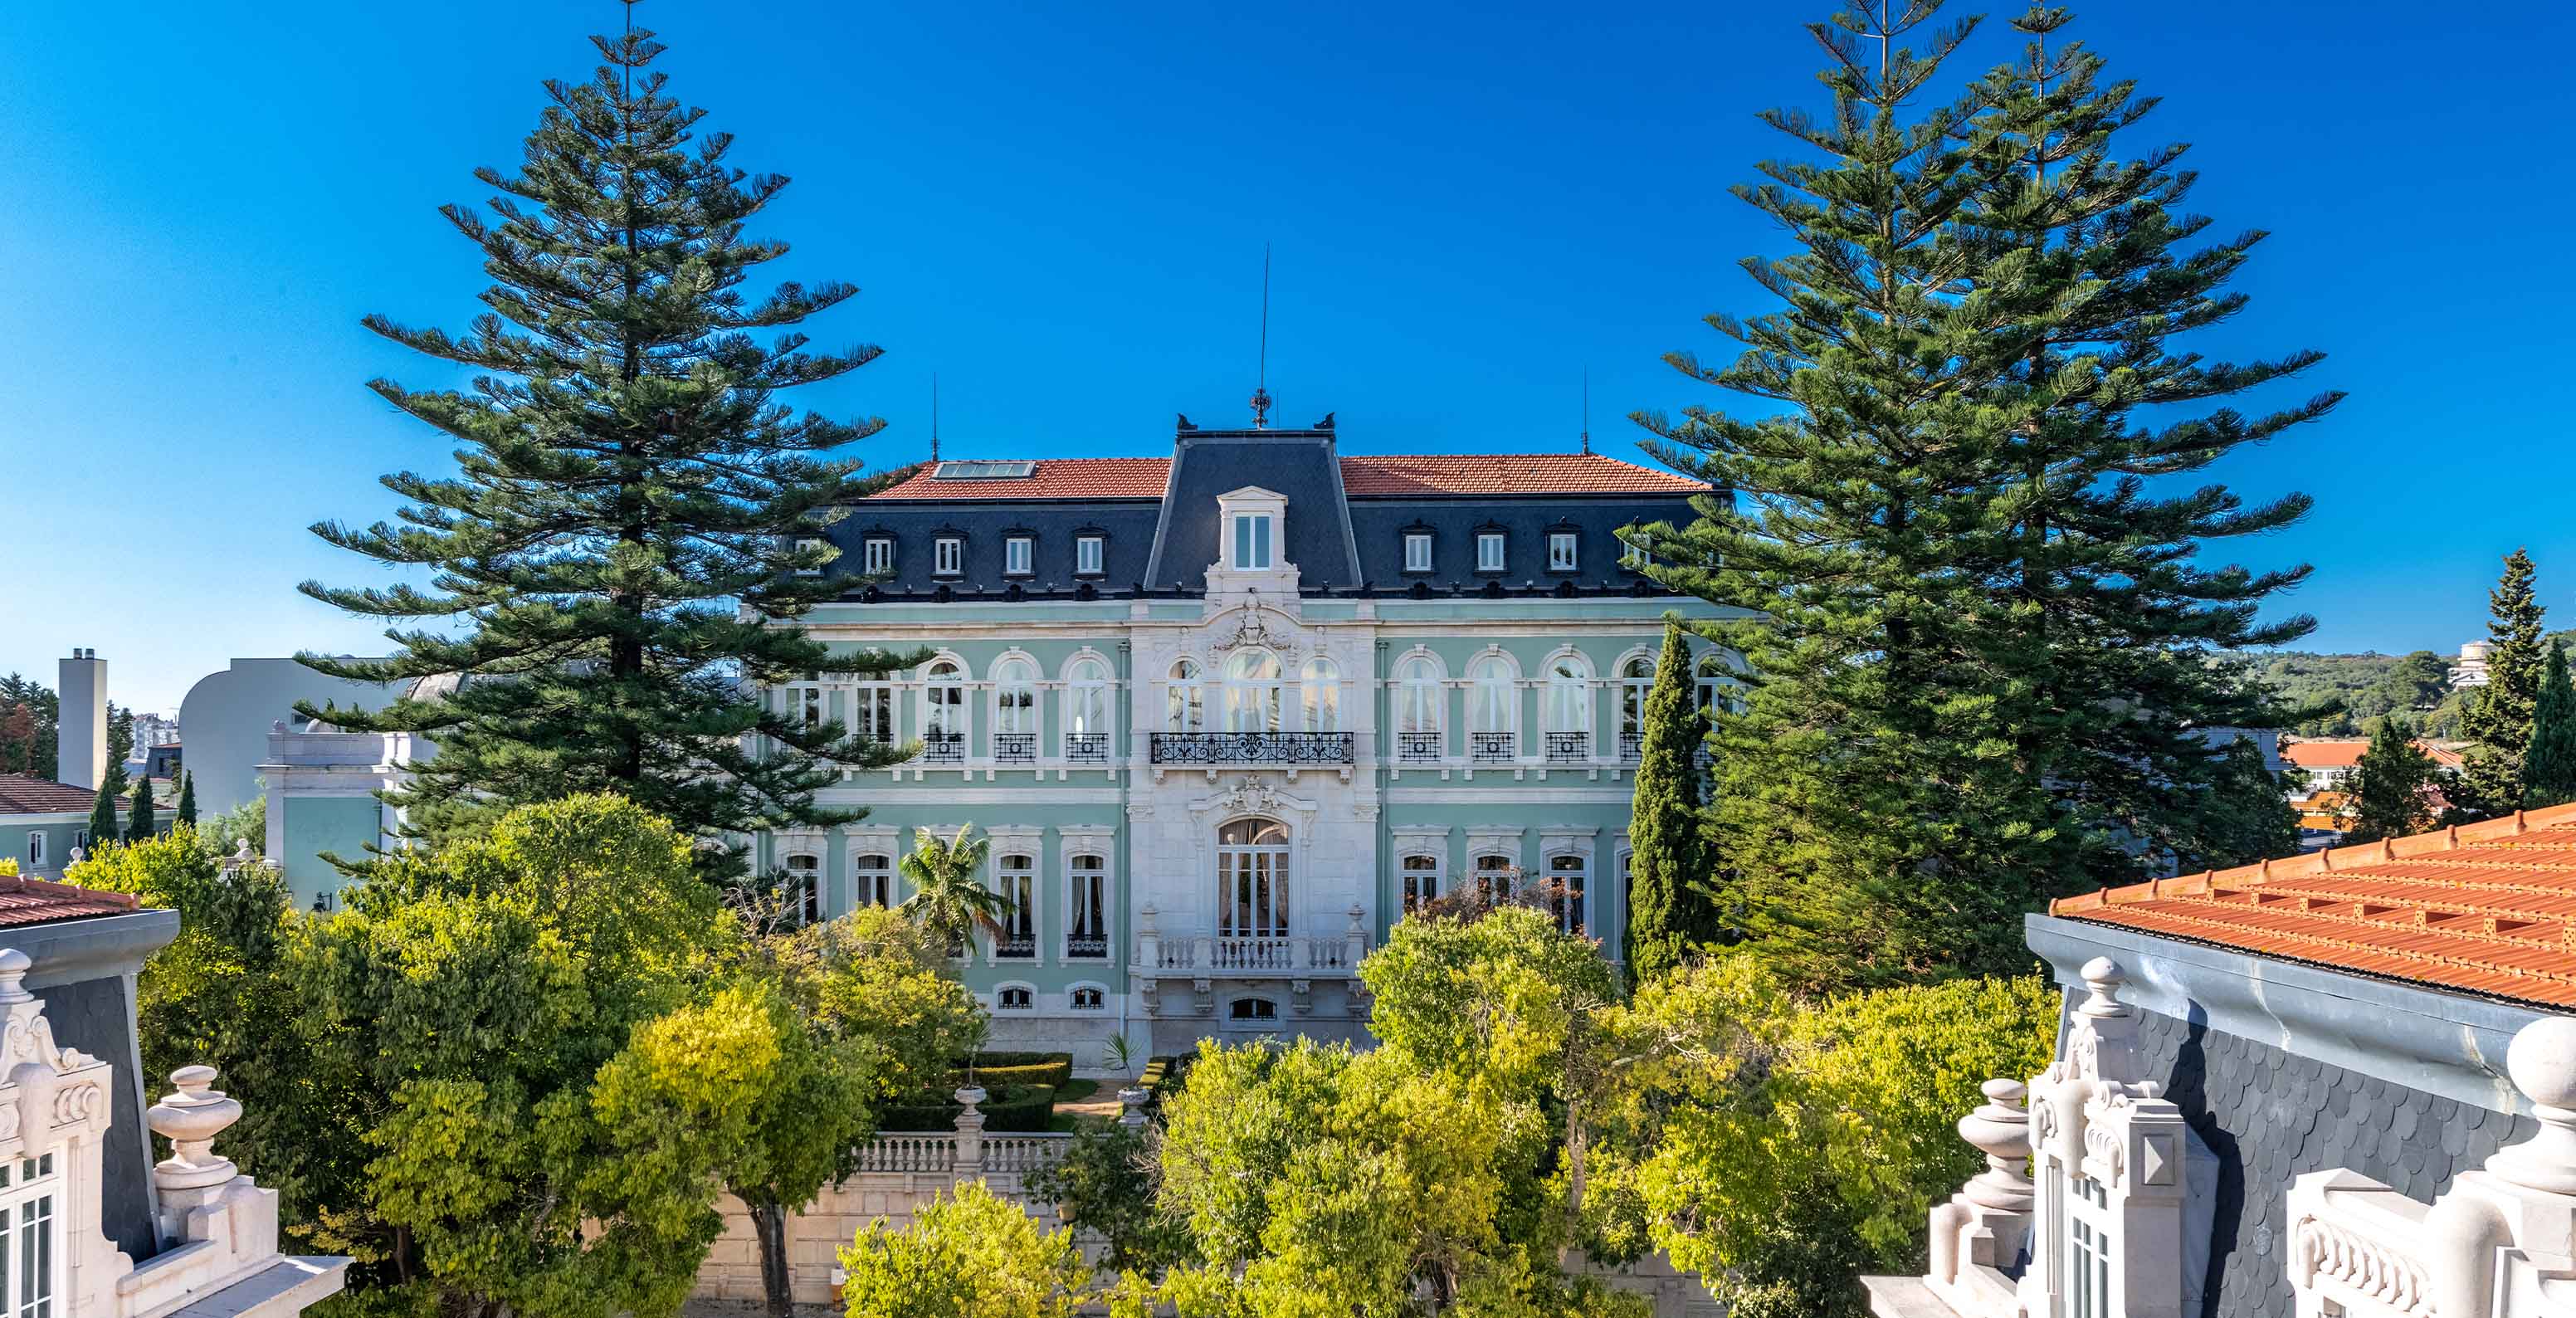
1252 879
874 873
1560 551
1417 695
1492 701
1185 698
1018 877
1086 697
1636 680
1015 696
811 706
1252 692
1087 908
1319 687
31 1236
805 887
872 711
943 699
1569 694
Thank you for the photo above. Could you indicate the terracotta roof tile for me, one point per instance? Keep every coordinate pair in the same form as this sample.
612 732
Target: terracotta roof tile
23 795
2345 752
37 901
1364 476
2485 908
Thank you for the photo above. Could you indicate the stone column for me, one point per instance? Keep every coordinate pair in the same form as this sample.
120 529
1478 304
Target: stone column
1355 939
1149 938
970 1134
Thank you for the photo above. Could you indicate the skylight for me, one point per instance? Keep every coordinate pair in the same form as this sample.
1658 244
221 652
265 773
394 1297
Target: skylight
1012 469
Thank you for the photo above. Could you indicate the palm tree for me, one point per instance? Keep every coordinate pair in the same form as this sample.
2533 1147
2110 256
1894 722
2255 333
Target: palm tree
947 899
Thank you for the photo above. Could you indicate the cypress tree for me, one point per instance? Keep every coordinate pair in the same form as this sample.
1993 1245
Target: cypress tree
636 519
187 798
1672 879
139 823
2499 715
1981 654
102 817
2390 792
2549 770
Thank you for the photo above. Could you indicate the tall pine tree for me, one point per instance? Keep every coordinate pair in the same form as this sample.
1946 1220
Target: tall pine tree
103 827
2549 769
2391 790
139 822
1981 647
1672 877
2499 715
187 798
635 514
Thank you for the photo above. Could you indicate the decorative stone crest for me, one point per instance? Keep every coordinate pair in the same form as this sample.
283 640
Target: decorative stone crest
1251 796
1252 630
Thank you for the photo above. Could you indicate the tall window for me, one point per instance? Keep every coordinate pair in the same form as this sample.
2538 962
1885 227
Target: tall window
1087 556
1252 879
1019 883
801 547
1567 879
1489 551
1252 692
943 699
1417 551
1319 684
1493 877
1560 551
1636 680
1714 692
36 848
1417 696
1421 881
872 711
1251 541
810 709
1569 695
1493 705
30 1232
880 555
1086 932
805 887
1015 697
1086 710
947 556
2088 1248
1634 556
1185 698
875 875
1019 553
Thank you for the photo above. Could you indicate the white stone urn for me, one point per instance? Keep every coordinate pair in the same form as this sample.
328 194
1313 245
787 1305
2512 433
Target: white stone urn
191 1119
2000 1129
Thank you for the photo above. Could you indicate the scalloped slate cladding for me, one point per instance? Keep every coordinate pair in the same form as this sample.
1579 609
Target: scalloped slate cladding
2271 1115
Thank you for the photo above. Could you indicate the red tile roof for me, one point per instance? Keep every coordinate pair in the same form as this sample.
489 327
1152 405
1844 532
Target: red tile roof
2345 752
23 795
1364 476
36 901
2485 908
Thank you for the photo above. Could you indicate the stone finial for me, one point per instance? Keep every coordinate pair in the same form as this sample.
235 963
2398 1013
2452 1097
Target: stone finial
2103 976
2542 1062
14 965
78 855
2000 1129
191 1119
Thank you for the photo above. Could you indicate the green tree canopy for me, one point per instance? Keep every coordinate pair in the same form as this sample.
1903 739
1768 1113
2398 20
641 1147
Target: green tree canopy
634 513
187 798
140 821
2391 792
2549 771
1672 874
2247 813
2500 714
969 1255
103 828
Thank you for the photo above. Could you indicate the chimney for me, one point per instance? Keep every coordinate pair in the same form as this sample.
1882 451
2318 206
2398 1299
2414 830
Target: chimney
82 685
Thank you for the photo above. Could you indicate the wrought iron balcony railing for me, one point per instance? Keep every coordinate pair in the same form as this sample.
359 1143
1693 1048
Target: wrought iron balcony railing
1490 747
943 748
1015 747
1629 744
1016 947
1417 747
1086 747
1569 747
1082 948
1251 747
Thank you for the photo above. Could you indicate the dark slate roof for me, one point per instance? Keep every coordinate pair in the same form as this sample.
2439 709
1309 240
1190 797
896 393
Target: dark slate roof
2271 1115
1299 464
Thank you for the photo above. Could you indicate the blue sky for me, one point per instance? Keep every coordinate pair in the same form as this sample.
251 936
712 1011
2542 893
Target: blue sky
1061 211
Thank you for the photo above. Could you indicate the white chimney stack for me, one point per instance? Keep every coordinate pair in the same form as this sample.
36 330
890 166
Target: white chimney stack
82 686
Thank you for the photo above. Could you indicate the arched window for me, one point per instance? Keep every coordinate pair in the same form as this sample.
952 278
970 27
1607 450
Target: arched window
1493 878
1320 683
1636 679
1086 934
1566 716
1253 1011
1015 696
1252 692
1493 709
1421 881
804 894
1252 879
1715 692
1089 998
1418 701
875 875
1566 879
1086 711
1015 998
1185 699
1018 875
943 702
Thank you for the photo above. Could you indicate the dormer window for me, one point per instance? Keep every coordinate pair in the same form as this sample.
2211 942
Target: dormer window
1560 551
1634 557
948 556
1252 542
1489 551
1019 552
1417 551
1088 555
880 558
804 546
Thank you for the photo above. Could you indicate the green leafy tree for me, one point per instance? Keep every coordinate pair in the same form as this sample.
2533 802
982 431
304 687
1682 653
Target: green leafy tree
103 828
45 708
2499 716
17 738
1979 625
248 822
187 798
2392 790
140 822
1672 877
2247 813
120 733
968 1255
2549 770
636 520
1106 1184
948 900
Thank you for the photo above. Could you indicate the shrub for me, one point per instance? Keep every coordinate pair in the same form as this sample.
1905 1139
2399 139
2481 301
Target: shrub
1011 1109
996 1071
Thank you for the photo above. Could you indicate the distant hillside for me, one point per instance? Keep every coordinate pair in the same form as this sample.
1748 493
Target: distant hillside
2370 687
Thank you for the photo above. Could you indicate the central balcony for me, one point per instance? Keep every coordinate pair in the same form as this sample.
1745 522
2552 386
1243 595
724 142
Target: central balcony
1332 748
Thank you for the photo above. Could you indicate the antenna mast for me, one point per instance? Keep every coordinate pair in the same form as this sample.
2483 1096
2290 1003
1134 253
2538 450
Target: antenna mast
1587 411
1261 385
934 416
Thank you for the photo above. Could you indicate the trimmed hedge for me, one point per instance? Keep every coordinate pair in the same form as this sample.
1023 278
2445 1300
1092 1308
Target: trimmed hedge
1164 1076
1012 1109
998 1071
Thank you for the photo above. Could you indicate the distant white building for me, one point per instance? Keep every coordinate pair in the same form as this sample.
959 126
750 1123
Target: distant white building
2471 670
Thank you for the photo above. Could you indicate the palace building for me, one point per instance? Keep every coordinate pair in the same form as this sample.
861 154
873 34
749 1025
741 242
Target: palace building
1224 716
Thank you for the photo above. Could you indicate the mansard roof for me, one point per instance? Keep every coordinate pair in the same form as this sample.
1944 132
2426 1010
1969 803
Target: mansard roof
2486 908
1364 476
